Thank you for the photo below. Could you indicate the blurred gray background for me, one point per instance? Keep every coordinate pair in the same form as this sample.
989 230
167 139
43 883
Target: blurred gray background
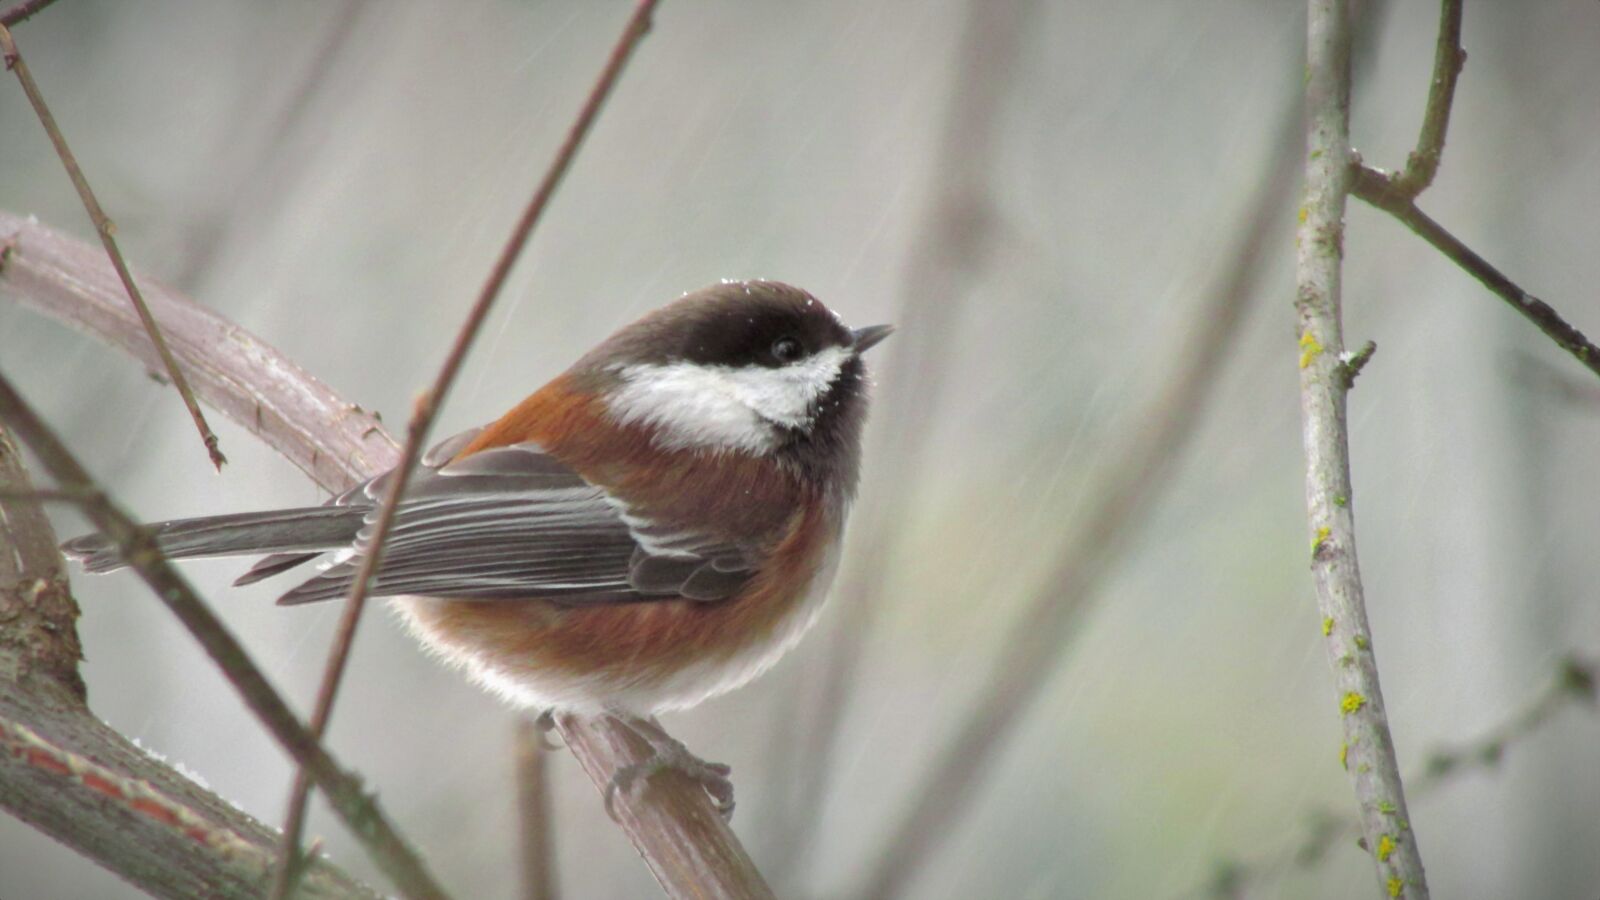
1039 195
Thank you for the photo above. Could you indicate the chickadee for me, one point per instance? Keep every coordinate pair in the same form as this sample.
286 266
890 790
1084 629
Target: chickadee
655 526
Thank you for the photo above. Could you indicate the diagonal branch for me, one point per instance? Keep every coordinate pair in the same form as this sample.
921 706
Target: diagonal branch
338 444
22 12
427 408
71 776
1380 191
107 231
359 811
1368 750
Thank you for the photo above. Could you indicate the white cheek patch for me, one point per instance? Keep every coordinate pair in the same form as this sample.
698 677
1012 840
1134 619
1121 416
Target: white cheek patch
721 406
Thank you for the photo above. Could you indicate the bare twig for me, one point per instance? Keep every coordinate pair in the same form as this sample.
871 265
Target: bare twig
535 836
22 12
1377 189
1368 747
1351 367
1448 58
1042 636
359 811
1396 194
333 441
107 231
338 444
429 403
1572 684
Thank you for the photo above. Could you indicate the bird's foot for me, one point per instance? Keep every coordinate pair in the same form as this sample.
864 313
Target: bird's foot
669 754
546 724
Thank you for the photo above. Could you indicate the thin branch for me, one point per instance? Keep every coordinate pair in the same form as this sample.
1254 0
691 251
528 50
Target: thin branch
1368 748
22 12
535 835
359 811
332 440
1378 190
1572 684
1448 58
107 231
1043 635
339 444
428 405
1350 367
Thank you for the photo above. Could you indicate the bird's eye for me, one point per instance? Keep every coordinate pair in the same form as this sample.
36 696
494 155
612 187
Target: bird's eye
786 349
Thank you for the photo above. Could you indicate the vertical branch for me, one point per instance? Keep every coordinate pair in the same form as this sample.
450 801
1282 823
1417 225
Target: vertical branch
535 836
427 408
1368 752
1448 58
39 641
107 231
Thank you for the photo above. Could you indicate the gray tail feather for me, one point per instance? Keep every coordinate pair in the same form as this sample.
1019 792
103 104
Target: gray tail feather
300 533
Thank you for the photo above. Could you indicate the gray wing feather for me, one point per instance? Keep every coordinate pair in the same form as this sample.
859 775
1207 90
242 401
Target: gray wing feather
512 522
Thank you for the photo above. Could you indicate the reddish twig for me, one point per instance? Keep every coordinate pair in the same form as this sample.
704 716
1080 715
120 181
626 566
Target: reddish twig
104 227
428 405
22 12
359 811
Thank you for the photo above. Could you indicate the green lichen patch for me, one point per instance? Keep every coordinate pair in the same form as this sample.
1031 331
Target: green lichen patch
1320 539
1352 702
1310 348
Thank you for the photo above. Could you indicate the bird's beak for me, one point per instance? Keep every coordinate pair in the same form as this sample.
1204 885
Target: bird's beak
868 337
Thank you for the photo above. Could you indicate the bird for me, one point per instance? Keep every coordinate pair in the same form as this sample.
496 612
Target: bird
653 527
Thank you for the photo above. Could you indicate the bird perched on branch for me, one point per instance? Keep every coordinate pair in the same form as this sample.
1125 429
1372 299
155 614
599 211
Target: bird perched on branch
655 526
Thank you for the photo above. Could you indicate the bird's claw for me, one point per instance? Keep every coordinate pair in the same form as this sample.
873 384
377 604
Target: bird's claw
546 724
712 777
